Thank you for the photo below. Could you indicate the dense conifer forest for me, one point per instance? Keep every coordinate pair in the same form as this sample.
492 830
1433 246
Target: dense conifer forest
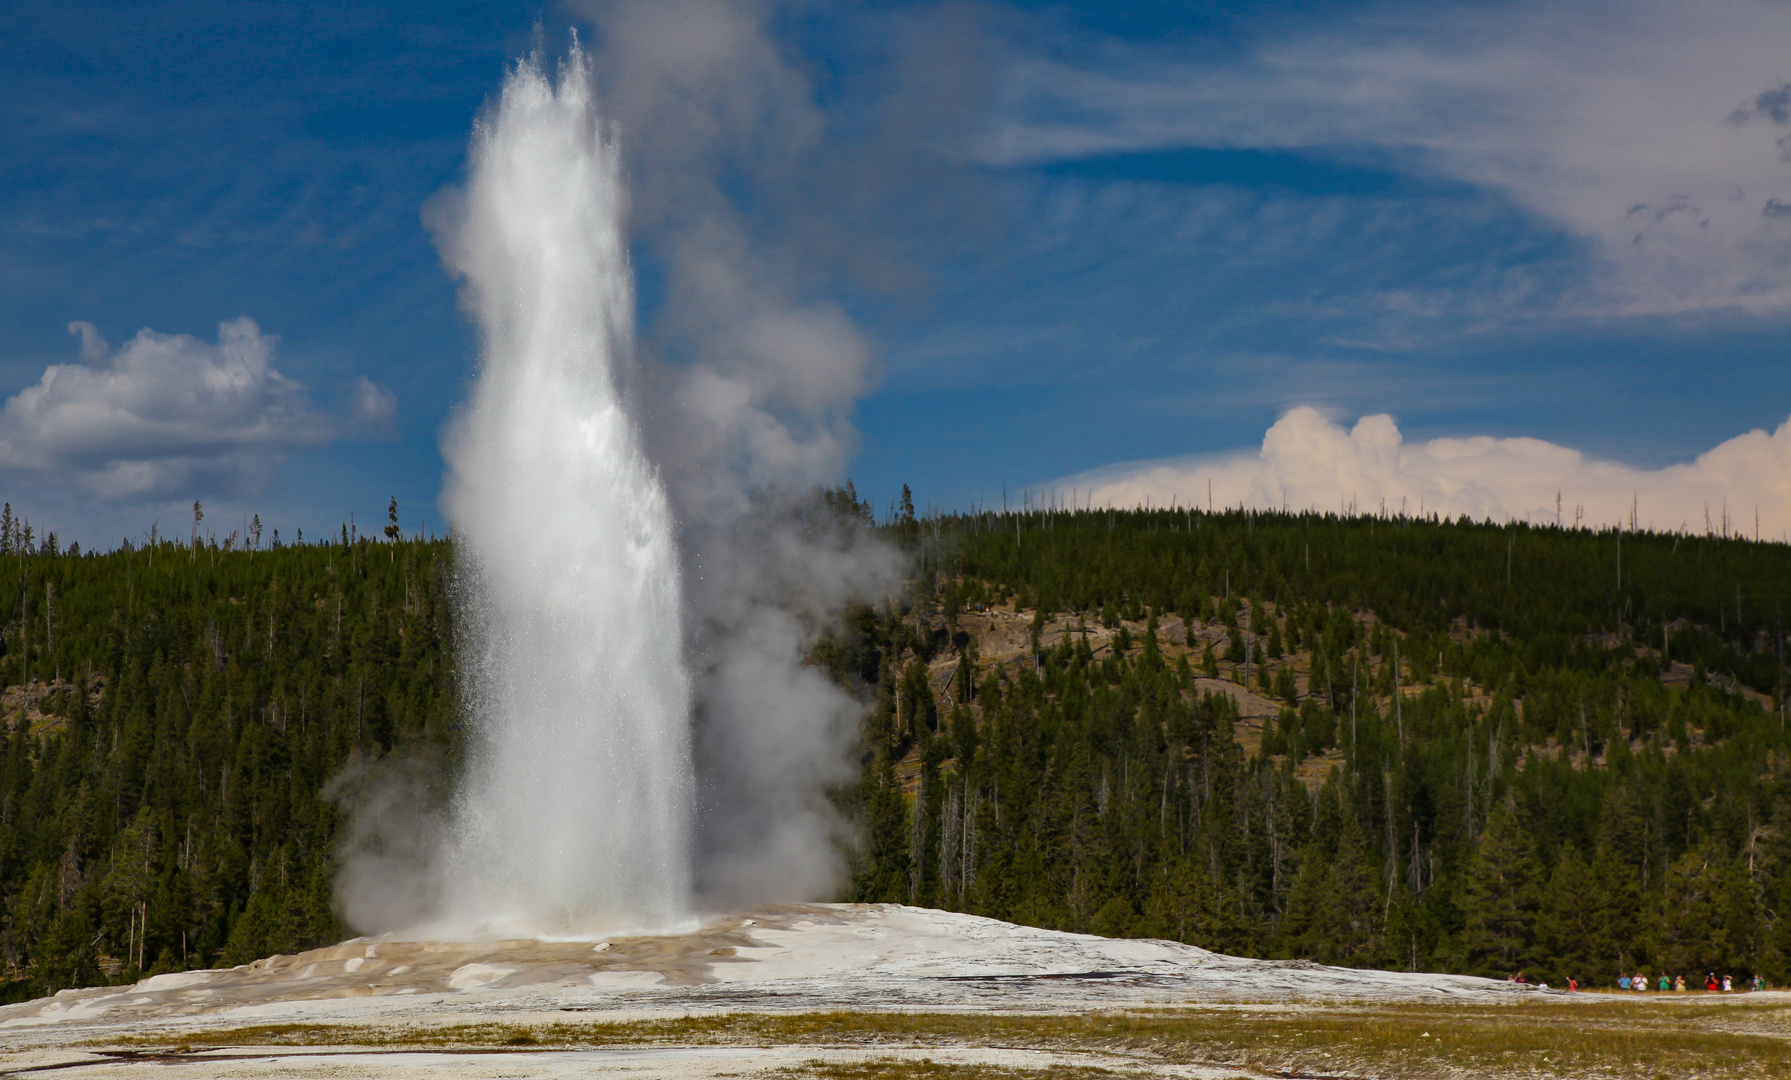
1475 748
176 715
1375 740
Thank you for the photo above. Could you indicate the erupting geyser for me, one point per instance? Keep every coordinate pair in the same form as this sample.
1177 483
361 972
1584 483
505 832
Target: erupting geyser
577 799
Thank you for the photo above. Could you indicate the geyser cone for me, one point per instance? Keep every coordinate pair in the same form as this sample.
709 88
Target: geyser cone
577 799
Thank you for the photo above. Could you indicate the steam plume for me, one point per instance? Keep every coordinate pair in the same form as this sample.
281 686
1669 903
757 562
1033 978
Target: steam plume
577 798
744 197
740 406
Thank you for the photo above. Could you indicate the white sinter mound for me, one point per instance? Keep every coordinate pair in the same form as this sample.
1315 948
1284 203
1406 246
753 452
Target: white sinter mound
791 957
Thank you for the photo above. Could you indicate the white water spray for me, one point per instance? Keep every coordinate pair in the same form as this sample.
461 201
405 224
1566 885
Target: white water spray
577 799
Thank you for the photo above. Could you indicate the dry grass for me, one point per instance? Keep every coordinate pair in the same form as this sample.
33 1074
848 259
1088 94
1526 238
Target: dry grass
899 1069
1541 1039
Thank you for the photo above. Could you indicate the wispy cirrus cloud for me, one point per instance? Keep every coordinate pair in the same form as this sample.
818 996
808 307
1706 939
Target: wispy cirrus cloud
169 415
1655 132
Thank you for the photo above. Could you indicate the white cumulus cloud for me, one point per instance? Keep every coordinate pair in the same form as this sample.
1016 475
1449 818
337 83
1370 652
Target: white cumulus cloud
169 415
1310 462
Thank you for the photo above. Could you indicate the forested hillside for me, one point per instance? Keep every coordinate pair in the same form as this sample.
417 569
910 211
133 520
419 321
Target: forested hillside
1462 746
1381 741
173 715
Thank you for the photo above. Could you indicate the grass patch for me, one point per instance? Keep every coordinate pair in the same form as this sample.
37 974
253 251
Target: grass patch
1541 1039
899 1069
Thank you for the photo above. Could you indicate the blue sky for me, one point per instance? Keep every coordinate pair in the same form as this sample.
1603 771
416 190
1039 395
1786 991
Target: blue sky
1072 235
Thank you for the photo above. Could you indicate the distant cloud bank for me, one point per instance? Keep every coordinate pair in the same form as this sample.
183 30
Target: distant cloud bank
1310 462
171 416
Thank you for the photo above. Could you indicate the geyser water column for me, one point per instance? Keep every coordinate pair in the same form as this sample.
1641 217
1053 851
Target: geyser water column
577 797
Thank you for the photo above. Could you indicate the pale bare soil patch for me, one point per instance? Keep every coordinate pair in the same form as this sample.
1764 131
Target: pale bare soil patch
863 991
1560 1038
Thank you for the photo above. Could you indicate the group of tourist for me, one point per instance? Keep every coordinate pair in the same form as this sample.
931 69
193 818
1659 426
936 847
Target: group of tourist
1726 984
1639 983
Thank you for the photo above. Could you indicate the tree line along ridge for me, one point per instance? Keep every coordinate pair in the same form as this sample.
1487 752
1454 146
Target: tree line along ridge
1382 741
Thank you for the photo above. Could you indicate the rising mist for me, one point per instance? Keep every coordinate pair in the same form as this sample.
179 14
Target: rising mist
577 793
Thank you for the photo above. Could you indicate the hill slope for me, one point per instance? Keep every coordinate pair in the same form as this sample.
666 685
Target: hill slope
1461 747
174 719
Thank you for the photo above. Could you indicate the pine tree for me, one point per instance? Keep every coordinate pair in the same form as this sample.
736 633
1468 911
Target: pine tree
1568 922
1357 930
1498 904
1308 928
1618 866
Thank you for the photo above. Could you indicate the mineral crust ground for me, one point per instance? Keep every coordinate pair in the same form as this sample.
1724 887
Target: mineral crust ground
859 991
